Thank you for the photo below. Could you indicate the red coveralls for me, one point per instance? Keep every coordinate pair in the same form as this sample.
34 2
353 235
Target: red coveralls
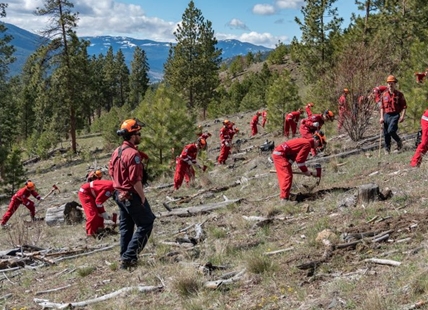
308 109
183 168
307 127
423 146
254 122
283 157
92 195
343 110
264 118
21 196
291 120
420 77
226 135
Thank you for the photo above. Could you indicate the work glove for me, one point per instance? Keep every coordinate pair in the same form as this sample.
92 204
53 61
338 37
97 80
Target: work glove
41 199
226 143
105 215
316 124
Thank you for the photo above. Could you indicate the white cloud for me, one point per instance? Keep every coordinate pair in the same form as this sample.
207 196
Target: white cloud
265 39
264 9
289 4
237 24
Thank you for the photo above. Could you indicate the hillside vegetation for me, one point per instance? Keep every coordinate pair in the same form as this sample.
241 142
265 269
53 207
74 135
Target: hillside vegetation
238 237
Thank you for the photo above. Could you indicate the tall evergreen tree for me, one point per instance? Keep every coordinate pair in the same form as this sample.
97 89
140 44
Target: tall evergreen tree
321 24
122 87
63 21
139 78
193 63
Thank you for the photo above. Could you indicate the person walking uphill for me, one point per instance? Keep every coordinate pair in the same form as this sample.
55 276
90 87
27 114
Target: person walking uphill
126 171
254 123
92 195
226 135
264 118
392 111
423 146
184 163
21 197
294 150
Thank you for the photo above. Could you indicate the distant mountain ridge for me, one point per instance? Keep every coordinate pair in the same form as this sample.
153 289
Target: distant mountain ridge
26 43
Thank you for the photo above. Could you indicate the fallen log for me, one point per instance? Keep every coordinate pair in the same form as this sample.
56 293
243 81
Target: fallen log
383 261
218 283
53 290
190 211
84 254
142 289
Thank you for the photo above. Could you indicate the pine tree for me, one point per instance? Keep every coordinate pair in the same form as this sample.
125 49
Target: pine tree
139 78
193 63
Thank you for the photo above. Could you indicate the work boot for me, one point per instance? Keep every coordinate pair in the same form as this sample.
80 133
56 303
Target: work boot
387 151
128 264
4 226
399 145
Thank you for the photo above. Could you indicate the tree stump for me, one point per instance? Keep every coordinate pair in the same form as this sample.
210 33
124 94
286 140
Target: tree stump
73 213
69 213
368 193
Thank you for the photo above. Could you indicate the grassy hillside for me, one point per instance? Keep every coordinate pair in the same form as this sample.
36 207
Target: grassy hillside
304 273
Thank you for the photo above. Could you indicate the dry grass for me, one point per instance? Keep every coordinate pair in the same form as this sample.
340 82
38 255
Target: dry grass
270 282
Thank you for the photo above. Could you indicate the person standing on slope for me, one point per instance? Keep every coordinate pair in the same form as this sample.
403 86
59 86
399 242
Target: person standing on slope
392 111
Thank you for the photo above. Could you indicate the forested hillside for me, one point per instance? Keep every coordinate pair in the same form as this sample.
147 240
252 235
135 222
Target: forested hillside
63 92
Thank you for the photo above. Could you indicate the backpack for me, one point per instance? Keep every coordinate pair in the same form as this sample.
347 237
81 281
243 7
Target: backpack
267 146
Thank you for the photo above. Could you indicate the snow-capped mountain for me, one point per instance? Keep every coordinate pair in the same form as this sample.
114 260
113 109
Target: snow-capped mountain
157 52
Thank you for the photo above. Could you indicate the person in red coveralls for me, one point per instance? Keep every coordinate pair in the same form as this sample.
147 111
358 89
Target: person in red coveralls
291 121
377 94
343 108
308 109
186 160
423 146
264 118
254 123
92 195
21 197
226 135
309 126
392 112
420 76
136 216
294 150
201 134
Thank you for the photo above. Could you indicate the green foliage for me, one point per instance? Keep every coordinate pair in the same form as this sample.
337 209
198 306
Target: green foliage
168 125
193 63
109 123
139 78
13 173
282 97
277 56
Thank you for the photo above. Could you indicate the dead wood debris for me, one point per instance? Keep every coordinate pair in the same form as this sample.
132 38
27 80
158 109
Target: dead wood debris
142 289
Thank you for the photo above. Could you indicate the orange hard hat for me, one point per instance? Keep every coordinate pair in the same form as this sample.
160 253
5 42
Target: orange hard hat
94 175
225 122
131 126
202 143
391 78
346 90
329 114
30 185
320 138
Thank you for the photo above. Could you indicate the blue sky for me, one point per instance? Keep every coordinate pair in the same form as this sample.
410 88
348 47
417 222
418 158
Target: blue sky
261 22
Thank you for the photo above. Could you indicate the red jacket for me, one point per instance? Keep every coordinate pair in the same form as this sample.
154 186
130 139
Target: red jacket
226 135
255 120
343 105
296 150
189 153
310 122
293 116
23 194
264 115
127 170
100 190
393 103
